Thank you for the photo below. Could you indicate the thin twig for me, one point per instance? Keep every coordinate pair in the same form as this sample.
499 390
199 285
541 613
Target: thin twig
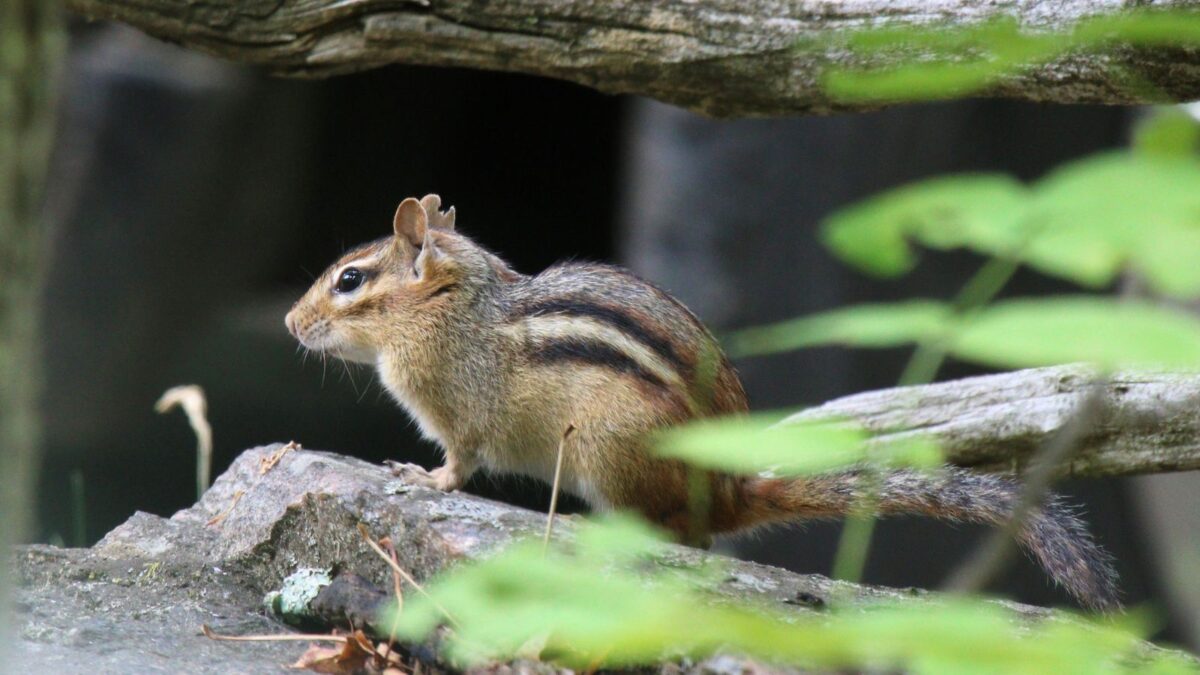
980 289
362 529
991 557
391 550
220 517
386 543
267 463
558 464
78 508
855 543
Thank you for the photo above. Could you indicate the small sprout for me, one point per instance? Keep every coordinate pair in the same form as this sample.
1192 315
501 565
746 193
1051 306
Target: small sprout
191 398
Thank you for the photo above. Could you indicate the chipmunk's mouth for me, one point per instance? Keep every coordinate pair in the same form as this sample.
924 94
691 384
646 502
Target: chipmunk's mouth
319 337
311 335
304 331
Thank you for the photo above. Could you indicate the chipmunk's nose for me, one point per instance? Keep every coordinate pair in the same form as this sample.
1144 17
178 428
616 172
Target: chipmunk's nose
290 322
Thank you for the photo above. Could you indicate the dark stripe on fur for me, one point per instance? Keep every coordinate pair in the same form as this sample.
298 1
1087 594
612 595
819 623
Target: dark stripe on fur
617 319
593 352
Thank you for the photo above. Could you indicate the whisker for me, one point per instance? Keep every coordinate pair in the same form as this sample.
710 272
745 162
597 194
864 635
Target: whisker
353 384
365 391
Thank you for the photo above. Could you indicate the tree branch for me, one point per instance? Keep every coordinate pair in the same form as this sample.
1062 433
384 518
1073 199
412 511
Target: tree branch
720 57
31 33
1150 422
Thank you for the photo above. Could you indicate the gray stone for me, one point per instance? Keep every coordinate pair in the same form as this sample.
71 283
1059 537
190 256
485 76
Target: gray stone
136 601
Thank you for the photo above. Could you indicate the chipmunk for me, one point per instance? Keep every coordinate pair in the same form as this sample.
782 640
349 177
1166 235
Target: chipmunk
494 366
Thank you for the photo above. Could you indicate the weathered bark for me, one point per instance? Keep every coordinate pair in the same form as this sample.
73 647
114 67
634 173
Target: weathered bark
719 57
32 38
135 601
1150 423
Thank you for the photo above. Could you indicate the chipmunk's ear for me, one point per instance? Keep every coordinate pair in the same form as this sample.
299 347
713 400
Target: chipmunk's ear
438 219
410 222
430 256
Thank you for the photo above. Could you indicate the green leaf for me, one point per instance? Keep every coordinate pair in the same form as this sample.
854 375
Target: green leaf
1087 221
1114 210
748 445
914 81
1166 260
872 325
981 211
1168 132
1148 28
757 445
1011 334
861 236
1105 331
942 61
613 602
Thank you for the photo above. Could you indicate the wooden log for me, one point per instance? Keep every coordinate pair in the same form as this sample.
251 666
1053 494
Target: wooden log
723 58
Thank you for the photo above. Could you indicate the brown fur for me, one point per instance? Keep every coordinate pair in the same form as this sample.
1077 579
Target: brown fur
494 366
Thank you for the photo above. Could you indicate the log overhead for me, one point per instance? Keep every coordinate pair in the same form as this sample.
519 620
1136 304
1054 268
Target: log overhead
725 58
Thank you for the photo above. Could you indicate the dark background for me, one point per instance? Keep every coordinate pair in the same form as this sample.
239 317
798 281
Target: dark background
192 202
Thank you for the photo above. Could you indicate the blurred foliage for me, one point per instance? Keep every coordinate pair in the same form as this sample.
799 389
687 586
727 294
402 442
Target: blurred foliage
1170 132
1016 333
1091 221
1086 222
612 599
1105 331
981 211
871 325
757 444
939 61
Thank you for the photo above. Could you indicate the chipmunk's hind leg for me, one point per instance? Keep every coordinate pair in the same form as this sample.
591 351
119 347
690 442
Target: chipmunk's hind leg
661 492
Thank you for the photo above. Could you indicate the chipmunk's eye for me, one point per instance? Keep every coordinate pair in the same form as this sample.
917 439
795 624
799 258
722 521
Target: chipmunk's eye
350 280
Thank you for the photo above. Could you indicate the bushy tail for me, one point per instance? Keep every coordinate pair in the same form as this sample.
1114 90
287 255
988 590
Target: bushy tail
1053 535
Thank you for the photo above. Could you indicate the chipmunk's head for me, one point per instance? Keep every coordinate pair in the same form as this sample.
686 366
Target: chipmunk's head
404 287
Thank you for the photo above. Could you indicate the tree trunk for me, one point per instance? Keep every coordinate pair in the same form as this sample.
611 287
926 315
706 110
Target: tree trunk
32 38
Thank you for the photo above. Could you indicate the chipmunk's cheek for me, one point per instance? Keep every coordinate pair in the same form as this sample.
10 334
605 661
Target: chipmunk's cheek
358 355
305 338
350 346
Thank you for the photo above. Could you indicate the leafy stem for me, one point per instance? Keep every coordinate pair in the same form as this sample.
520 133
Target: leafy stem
855 542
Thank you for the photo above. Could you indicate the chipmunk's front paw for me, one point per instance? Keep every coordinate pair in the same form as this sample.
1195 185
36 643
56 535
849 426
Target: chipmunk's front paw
413 474
447 478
